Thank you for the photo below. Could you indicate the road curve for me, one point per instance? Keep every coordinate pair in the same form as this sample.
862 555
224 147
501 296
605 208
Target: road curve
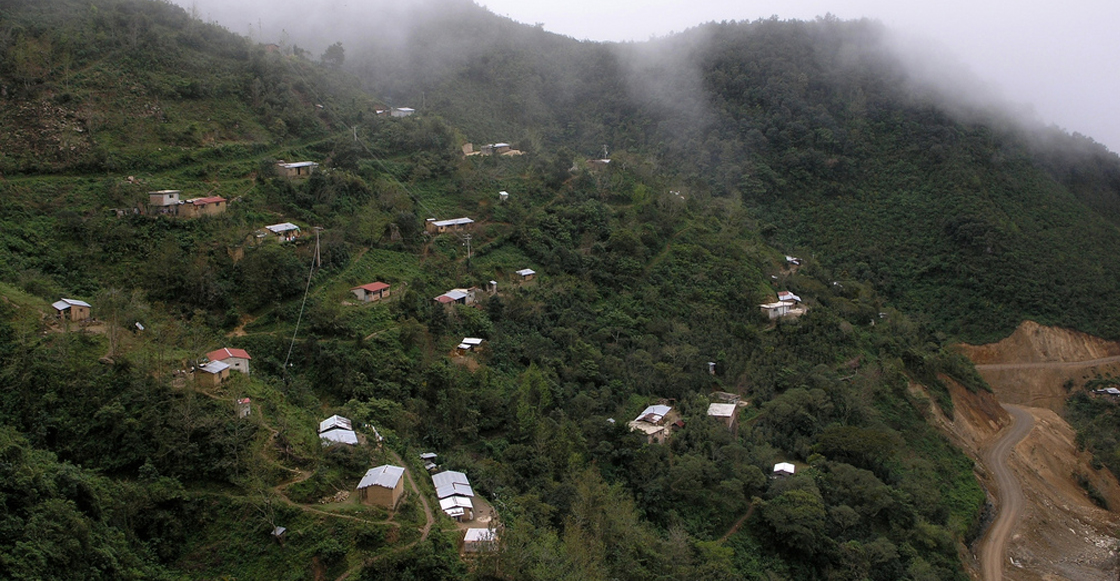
993 548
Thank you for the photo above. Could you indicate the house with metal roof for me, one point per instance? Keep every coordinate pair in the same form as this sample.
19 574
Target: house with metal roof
469 344
777 309
477 540
212 374
373 291
401 112
299 169
724 412
382 486
337 430
783 469
455 493
164 202
433 226
72 309
654 423
462 296
786 296
237 359
285 231
527 274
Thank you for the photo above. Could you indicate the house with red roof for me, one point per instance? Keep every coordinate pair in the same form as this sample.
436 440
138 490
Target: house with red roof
373 291
236 359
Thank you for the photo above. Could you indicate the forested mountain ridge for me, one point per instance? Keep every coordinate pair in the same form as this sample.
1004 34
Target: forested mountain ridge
947 203
647 270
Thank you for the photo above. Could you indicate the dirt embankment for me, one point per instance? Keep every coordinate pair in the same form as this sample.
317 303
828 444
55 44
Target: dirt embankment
1035 364
1061 533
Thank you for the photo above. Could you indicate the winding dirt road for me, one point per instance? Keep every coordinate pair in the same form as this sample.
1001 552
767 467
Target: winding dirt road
993 548
1046 364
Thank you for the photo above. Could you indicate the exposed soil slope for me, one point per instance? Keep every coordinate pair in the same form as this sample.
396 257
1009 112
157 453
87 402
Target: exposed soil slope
1061 534
1032 366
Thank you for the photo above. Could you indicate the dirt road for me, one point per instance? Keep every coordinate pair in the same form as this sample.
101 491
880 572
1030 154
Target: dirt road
993 549
1046 364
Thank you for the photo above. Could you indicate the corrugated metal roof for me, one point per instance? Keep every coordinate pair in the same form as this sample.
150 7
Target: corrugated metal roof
209 200
788 296
453 502
282 227
479 536
721 410
453 489
67 303
784 467
335 421
452 222
526 272
215 367
472 341
299 164
386 476
653 413
449 477
340 436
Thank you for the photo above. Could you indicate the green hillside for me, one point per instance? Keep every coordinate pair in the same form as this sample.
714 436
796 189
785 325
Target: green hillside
119 462
952 210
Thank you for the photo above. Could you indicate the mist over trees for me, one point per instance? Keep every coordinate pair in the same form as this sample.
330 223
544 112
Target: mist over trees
734 148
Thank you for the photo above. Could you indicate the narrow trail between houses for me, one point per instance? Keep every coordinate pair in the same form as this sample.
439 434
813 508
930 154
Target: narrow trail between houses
993 548
424 531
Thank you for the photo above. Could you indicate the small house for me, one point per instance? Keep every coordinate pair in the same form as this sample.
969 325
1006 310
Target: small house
198 207
1108 391
337 430
477 540
726 413
373 291
459 508
783 469
462 296
653 423
527 274
382 486
72 309
401 111
237 359
598 163
469 344
284 231
454 493
786 296
244 407
777 310
433 226
212 374
279 534
503 196
793 260
164 202
299 169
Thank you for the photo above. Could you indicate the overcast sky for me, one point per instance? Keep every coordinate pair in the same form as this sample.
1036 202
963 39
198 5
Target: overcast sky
1061 58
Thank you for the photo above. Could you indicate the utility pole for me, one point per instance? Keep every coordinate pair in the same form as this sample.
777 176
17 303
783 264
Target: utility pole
318 257
467 239
355 133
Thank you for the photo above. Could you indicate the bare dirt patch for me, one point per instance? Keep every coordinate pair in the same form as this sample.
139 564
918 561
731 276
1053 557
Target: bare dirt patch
1034 366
